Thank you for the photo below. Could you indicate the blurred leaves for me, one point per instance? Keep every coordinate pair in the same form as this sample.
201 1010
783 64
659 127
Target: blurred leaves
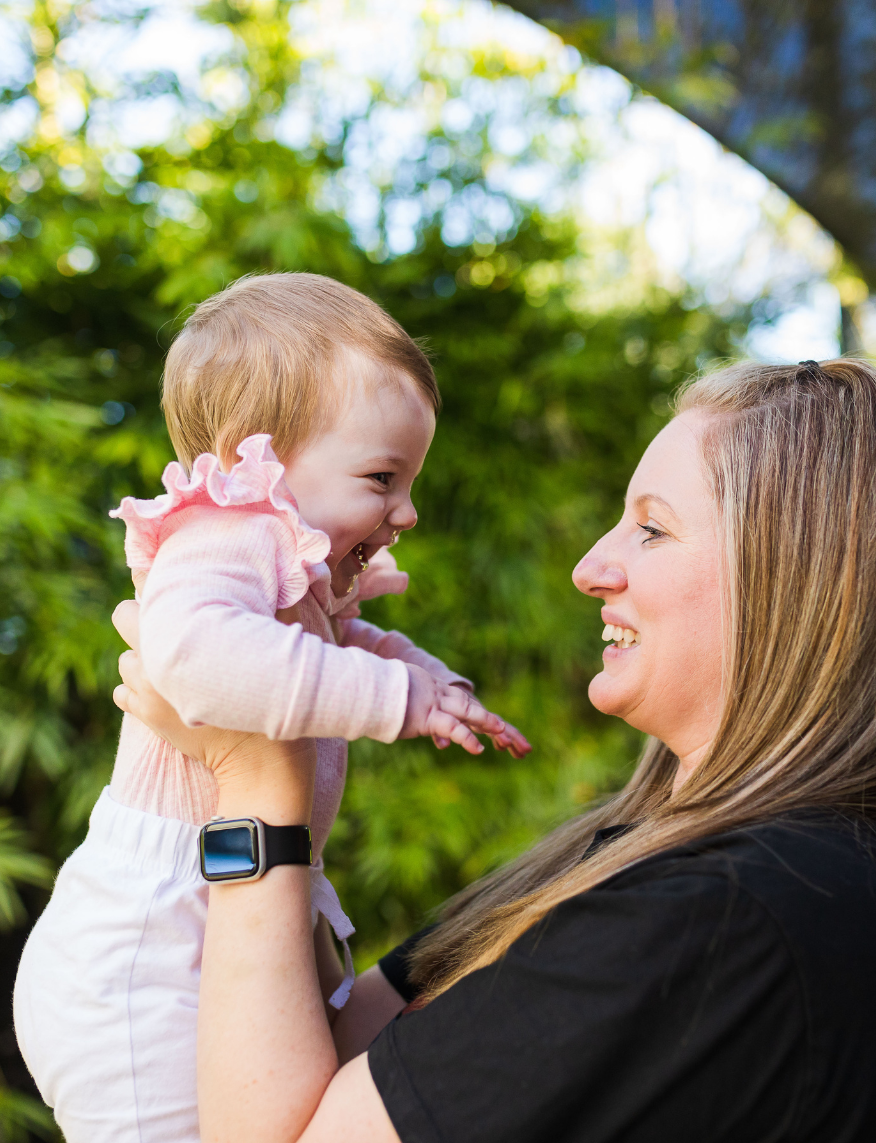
22 1117
17 866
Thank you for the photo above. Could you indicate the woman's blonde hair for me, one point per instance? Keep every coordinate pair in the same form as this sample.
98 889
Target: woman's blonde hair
790 455
268 354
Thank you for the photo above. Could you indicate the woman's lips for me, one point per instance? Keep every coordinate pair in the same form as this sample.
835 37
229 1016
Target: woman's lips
616 651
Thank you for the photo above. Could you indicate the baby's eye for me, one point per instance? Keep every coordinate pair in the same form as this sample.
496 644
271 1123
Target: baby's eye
381 477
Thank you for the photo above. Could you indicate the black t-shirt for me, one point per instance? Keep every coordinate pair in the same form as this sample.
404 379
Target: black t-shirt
724 991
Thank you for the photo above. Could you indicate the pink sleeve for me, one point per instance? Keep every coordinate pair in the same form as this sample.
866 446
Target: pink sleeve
211 645
394 645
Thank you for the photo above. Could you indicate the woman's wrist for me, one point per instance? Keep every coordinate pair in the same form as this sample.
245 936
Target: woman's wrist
269 780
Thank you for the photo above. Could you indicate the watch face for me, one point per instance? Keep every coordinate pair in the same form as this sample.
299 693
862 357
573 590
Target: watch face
229 850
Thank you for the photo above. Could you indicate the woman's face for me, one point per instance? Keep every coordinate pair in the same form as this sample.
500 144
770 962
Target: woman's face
658 573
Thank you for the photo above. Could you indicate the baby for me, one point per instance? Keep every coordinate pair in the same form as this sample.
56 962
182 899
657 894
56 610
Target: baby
250 572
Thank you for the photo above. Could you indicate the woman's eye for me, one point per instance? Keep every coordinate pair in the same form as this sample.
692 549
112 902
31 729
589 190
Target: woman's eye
653 533
381 477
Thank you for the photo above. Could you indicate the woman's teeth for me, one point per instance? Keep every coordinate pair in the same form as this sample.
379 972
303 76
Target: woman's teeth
622 636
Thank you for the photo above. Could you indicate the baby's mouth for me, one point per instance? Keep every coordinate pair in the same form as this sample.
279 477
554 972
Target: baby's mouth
623 637
357 559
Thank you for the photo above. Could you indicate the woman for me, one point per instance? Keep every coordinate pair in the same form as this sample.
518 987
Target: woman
692 961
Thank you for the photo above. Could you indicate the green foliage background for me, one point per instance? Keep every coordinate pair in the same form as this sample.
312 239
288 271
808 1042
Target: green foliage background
547 408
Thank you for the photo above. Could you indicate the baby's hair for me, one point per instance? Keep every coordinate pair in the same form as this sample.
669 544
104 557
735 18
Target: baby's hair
264 356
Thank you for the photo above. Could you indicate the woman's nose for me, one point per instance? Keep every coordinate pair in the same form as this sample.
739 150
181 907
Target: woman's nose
597 574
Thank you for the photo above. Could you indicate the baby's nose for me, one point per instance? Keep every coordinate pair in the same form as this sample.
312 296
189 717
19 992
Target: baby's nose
403 517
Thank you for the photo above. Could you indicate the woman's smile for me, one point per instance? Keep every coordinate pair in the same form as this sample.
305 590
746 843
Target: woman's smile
619 633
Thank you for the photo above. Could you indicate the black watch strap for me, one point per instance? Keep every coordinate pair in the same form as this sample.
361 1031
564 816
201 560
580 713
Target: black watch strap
287 845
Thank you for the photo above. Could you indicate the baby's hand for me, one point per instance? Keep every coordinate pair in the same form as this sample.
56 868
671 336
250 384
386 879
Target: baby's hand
509 739
446 713
512 740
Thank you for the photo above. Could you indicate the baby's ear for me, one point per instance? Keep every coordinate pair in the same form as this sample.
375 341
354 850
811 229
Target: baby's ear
138 575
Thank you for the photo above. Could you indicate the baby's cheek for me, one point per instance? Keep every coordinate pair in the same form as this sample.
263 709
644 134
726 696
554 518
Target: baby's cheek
367 516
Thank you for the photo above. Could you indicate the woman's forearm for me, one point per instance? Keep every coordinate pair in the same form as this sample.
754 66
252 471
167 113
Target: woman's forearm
372 1005
265 1050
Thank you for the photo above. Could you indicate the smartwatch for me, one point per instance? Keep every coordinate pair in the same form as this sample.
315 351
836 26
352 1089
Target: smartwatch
244 849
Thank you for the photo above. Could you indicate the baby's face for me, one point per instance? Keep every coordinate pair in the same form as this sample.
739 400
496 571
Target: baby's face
354 481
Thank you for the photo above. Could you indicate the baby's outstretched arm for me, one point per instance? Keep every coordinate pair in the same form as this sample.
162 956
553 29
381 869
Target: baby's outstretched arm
439 710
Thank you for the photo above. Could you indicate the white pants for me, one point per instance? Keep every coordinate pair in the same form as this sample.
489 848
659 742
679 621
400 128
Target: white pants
106 999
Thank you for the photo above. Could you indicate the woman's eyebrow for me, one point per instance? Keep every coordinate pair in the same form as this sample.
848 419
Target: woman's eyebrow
653 498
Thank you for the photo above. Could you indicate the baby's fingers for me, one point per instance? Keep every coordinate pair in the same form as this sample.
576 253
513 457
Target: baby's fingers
468 710
504 744
512 740
443 725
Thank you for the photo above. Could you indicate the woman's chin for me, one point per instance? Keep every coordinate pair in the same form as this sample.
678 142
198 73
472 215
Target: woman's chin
610 694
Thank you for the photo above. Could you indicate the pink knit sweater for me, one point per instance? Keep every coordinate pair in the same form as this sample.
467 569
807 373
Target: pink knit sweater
225 552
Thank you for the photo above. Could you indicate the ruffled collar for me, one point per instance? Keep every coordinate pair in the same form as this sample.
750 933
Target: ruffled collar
257 478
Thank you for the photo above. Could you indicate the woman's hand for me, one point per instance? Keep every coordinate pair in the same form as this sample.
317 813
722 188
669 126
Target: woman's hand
249 768
136 696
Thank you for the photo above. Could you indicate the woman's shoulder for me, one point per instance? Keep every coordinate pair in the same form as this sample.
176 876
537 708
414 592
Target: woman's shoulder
797 892
812 871
252 497
818 850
